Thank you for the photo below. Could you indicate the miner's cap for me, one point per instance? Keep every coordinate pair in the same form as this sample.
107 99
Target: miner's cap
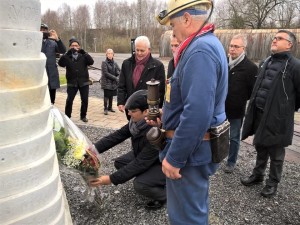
175 6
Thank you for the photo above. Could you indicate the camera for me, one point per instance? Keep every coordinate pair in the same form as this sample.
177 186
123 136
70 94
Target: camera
46 35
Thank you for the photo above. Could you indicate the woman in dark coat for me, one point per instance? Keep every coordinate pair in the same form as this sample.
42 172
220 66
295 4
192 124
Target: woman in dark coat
109 80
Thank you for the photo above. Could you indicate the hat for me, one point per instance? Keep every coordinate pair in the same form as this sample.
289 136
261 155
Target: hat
72 40
44 26
138 100
175 6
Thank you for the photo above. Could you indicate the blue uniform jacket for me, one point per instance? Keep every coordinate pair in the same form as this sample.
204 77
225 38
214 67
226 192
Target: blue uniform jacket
197 101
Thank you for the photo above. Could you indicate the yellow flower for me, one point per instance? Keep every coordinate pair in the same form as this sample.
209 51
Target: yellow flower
79 150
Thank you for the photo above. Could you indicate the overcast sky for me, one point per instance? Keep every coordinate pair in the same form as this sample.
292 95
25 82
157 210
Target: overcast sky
55 4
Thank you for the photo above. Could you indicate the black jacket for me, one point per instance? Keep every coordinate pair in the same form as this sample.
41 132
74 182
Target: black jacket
241 80
145 154
171 68
76 70
154 69
50 47
110 75
277 123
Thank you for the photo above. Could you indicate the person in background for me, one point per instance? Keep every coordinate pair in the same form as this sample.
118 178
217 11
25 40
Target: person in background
194 102
141 162
109 80
52 45
241 79
270 114
76 61
137 70
174 46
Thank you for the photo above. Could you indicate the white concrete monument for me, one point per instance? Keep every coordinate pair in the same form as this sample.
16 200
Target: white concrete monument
30 188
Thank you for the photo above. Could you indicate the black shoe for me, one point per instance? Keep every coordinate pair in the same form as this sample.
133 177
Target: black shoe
252 180
269 191
105 112
111 110
84 119
154 205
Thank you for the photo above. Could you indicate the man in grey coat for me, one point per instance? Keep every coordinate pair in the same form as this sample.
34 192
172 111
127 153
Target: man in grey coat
50 46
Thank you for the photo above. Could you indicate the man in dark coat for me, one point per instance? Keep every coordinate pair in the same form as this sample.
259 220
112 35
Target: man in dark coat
76 61
142 162
50 46
241 79
270 115
137 70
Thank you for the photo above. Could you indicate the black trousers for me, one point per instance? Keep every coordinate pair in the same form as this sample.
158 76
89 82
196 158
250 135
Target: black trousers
108 100
151 183
276 155
52 93
84 95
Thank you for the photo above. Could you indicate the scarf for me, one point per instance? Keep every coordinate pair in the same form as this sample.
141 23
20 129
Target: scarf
207 28
233 62
136 127
75 56
139 67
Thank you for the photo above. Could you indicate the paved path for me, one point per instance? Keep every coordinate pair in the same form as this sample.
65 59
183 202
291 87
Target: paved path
95 113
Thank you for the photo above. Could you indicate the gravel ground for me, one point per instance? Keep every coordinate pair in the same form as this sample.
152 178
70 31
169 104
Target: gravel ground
230 202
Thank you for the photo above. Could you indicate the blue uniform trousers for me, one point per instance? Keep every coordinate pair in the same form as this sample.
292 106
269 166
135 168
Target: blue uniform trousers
188 197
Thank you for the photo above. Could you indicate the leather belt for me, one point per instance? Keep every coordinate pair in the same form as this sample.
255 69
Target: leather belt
170 134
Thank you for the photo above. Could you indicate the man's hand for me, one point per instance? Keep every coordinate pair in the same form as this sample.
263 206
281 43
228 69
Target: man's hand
103 180
170 171
121 108
53 35
156 123
153 123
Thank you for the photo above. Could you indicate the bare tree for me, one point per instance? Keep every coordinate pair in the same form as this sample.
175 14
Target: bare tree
65 16
81 23
253 14
286 14
51 18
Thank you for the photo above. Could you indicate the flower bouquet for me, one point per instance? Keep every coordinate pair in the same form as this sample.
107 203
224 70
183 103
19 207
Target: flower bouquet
76 152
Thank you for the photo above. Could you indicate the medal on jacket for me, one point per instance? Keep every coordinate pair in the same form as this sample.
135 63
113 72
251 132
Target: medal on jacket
168 90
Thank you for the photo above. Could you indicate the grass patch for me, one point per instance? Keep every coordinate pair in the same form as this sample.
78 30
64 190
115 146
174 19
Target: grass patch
62 79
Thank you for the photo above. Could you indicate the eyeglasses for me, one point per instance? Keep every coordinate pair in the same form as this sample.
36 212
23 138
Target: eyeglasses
280 39
235 46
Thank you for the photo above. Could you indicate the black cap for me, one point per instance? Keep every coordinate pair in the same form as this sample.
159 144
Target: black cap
45 26
138 100
73 39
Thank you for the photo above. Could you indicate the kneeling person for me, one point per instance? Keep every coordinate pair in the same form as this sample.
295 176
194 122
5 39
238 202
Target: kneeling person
142 161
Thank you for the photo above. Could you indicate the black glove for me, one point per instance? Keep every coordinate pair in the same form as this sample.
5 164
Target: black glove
81 51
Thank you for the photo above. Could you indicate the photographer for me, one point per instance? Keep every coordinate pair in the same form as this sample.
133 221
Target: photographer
50 46
76 61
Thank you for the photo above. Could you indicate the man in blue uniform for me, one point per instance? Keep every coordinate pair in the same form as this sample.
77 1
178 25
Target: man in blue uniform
194 102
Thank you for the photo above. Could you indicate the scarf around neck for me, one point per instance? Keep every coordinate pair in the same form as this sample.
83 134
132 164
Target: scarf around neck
207 28
233 62
136 127
139 67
